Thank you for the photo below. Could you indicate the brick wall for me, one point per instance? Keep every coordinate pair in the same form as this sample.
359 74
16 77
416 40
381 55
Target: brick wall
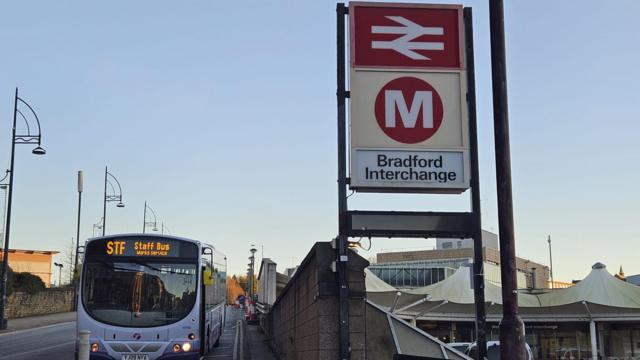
303 322
49 301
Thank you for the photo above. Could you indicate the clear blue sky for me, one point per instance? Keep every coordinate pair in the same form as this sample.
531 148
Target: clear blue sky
222 116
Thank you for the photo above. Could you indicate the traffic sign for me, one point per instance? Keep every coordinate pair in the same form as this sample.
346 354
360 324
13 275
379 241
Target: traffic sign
406 35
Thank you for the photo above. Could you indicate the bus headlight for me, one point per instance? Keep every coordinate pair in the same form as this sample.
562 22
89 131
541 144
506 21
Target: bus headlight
176 348
186 347
95 347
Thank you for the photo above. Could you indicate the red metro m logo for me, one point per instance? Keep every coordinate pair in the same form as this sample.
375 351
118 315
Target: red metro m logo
408 110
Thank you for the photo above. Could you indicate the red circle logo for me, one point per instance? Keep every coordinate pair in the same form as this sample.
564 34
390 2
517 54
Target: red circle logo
409 110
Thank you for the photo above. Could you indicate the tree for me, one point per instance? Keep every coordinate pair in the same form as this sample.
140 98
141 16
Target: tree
23 282
27 282
233 289
69 259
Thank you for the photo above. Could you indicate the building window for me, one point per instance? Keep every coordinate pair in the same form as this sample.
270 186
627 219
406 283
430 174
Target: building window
447 245
459 244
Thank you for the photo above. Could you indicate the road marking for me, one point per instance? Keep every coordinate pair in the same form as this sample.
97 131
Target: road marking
35 328
39 350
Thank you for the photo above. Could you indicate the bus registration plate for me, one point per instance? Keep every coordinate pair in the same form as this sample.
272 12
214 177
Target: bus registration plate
135 357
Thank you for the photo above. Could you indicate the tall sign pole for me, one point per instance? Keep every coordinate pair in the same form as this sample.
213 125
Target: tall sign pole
478 259
511 327
342 245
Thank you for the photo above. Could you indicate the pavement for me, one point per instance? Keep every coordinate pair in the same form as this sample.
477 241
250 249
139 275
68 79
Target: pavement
258 345
37 321
53 337
240 341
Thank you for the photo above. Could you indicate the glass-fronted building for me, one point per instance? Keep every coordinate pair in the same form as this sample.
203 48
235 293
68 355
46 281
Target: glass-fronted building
413 274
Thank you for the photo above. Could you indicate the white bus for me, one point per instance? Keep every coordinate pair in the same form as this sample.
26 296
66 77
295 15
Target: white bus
151 297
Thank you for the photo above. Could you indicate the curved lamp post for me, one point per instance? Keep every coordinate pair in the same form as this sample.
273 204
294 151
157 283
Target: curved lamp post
98 226
163 227
29 139
146 223
117 196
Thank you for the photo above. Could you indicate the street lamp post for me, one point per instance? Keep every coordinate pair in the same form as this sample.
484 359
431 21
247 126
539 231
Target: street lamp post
98 226
550 262
164 228
146 223
115 197
75 264
4 188
38 150
60 266
252 272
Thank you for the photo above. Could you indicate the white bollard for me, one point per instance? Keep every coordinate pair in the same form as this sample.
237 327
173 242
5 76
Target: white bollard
83 344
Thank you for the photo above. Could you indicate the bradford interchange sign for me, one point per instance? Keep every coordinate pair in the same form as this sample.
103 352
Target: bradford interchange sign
408 120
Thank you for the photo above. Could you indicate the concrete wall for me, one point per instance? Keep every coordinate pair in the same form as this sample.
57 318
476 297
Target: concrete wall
303 322
48 301
267 281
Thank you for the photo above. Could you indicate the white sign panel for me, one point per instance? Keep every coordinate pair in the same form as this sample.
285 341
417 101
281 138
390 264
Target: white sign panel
377 169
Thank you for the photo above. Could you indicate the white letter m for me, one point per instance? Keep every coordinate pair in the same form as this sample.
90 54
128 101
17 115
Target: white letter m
394 98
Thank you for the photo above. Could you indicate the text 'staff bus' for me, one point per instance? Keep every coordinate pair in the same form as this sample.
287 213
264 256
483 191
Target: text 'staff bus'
151 297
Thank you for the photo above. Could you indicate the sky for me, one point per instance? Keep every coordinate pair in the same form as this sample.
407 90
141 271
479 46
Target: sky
222 116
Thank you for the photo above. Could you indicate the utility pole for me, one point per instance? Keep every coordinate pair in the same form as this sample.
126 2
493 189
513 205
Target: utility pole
512 345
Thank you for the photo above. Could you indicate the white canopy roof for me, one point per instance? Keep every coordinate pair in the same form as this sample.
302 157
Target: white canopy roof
457 289
375 284
599 287
600 294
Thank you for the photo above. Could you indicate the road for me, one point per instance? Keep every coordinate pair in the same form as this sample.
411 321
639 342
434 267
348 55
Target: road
49 342
57 342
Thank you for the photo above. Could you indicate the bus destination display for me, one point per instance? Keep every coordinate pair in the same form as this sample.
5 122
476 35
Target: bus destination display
143 247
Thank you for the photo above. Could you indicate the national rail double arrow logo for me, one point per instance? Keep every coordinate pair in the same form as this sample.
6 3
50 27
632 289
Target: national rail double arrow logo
405 44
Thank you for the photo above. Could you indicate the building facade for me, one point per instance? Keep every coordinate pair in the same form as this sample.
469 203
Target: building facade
37 262
419 267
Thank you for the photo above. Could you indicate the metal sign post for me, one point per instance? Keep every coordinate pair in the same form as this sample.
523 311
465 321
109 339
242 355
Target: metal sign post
342 245
478 260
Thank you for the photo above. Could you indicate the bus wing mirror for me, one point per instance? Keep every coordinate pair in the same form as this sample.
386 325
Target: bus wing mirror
207 277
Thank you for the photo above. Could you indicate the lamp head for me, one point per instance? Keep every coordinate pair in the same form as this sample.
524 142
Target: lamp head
120 204
38 151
